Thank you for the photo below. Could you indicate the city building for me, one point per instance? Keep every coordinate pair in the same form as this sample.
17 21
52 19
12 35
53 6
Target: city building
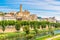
24 15
33 17
50 19
20 15
9 16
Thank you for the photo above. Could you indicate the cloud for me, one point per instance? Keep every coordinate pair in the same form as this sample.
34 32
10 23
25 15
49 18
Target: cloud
7 9
44 8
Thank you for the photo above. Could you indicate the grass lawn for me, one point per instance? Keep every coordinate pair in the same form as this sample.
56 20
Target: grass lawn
56 38
46 37
43 37
22 34
10 35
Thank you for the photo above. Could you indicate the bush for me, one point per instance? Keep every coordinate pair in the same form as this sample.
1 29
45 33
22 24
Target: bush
29 36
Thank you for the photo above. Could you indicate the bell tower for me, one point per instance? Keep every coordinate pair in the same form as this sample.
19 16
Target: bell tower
21 8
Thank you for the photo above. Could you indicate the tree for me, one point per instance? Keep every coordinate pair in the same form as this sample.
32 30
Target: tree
23 23
4 24
26 29
57 25
35 26
11 22
31 24
43 24
51 31
17 25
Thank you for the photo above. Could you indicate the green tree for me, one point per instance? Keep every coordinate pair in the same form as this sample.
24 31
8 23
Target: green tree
43 24
57 25
11 22
23 23
17 25
35 26
3 24
51 31
26 29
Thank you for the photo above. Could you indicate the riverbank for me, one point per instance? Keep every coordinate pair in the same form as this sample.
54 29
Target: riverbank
53 38
8 35
48 37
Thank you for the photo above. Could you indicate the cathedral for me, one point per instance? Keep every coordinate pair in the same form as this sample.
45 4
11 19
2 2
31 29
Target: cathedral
20 15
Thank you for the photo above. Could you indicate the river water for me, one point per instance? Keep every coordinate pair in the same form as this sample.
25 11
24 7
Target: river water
56 31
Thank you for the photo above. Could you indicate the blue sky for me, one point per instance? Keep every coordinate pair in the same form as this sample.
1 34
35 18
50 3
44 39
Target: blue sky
42 8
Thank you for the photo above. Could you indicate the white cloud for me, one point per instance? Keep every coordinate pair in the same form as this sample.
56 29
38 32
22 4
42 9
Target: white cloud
52 5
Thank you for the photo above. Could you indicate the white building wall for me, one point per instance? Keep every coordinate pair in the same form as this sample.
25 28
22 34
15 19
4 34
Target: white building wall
9 18
1 18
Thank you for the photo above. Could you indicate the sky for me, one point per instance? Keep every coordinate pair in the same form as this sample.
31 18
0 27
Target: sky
42 8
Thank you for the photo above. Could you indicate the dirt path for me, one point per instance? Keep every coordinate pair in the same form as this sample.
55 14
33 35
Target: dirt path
53 37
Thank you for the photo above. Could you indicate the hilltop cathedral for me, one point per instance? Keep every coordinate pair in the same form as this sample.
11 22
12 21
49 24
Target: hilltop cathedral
21 15
25 16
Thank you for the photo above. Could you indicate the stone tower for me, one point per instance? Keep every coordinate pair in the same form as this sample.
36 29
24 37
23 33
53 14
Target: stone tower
21 8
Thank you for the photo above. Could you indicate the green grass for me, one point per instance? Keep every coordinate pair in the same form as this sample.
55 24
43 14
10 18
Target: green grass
47 36
11 35
43 37
56 38
22 34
